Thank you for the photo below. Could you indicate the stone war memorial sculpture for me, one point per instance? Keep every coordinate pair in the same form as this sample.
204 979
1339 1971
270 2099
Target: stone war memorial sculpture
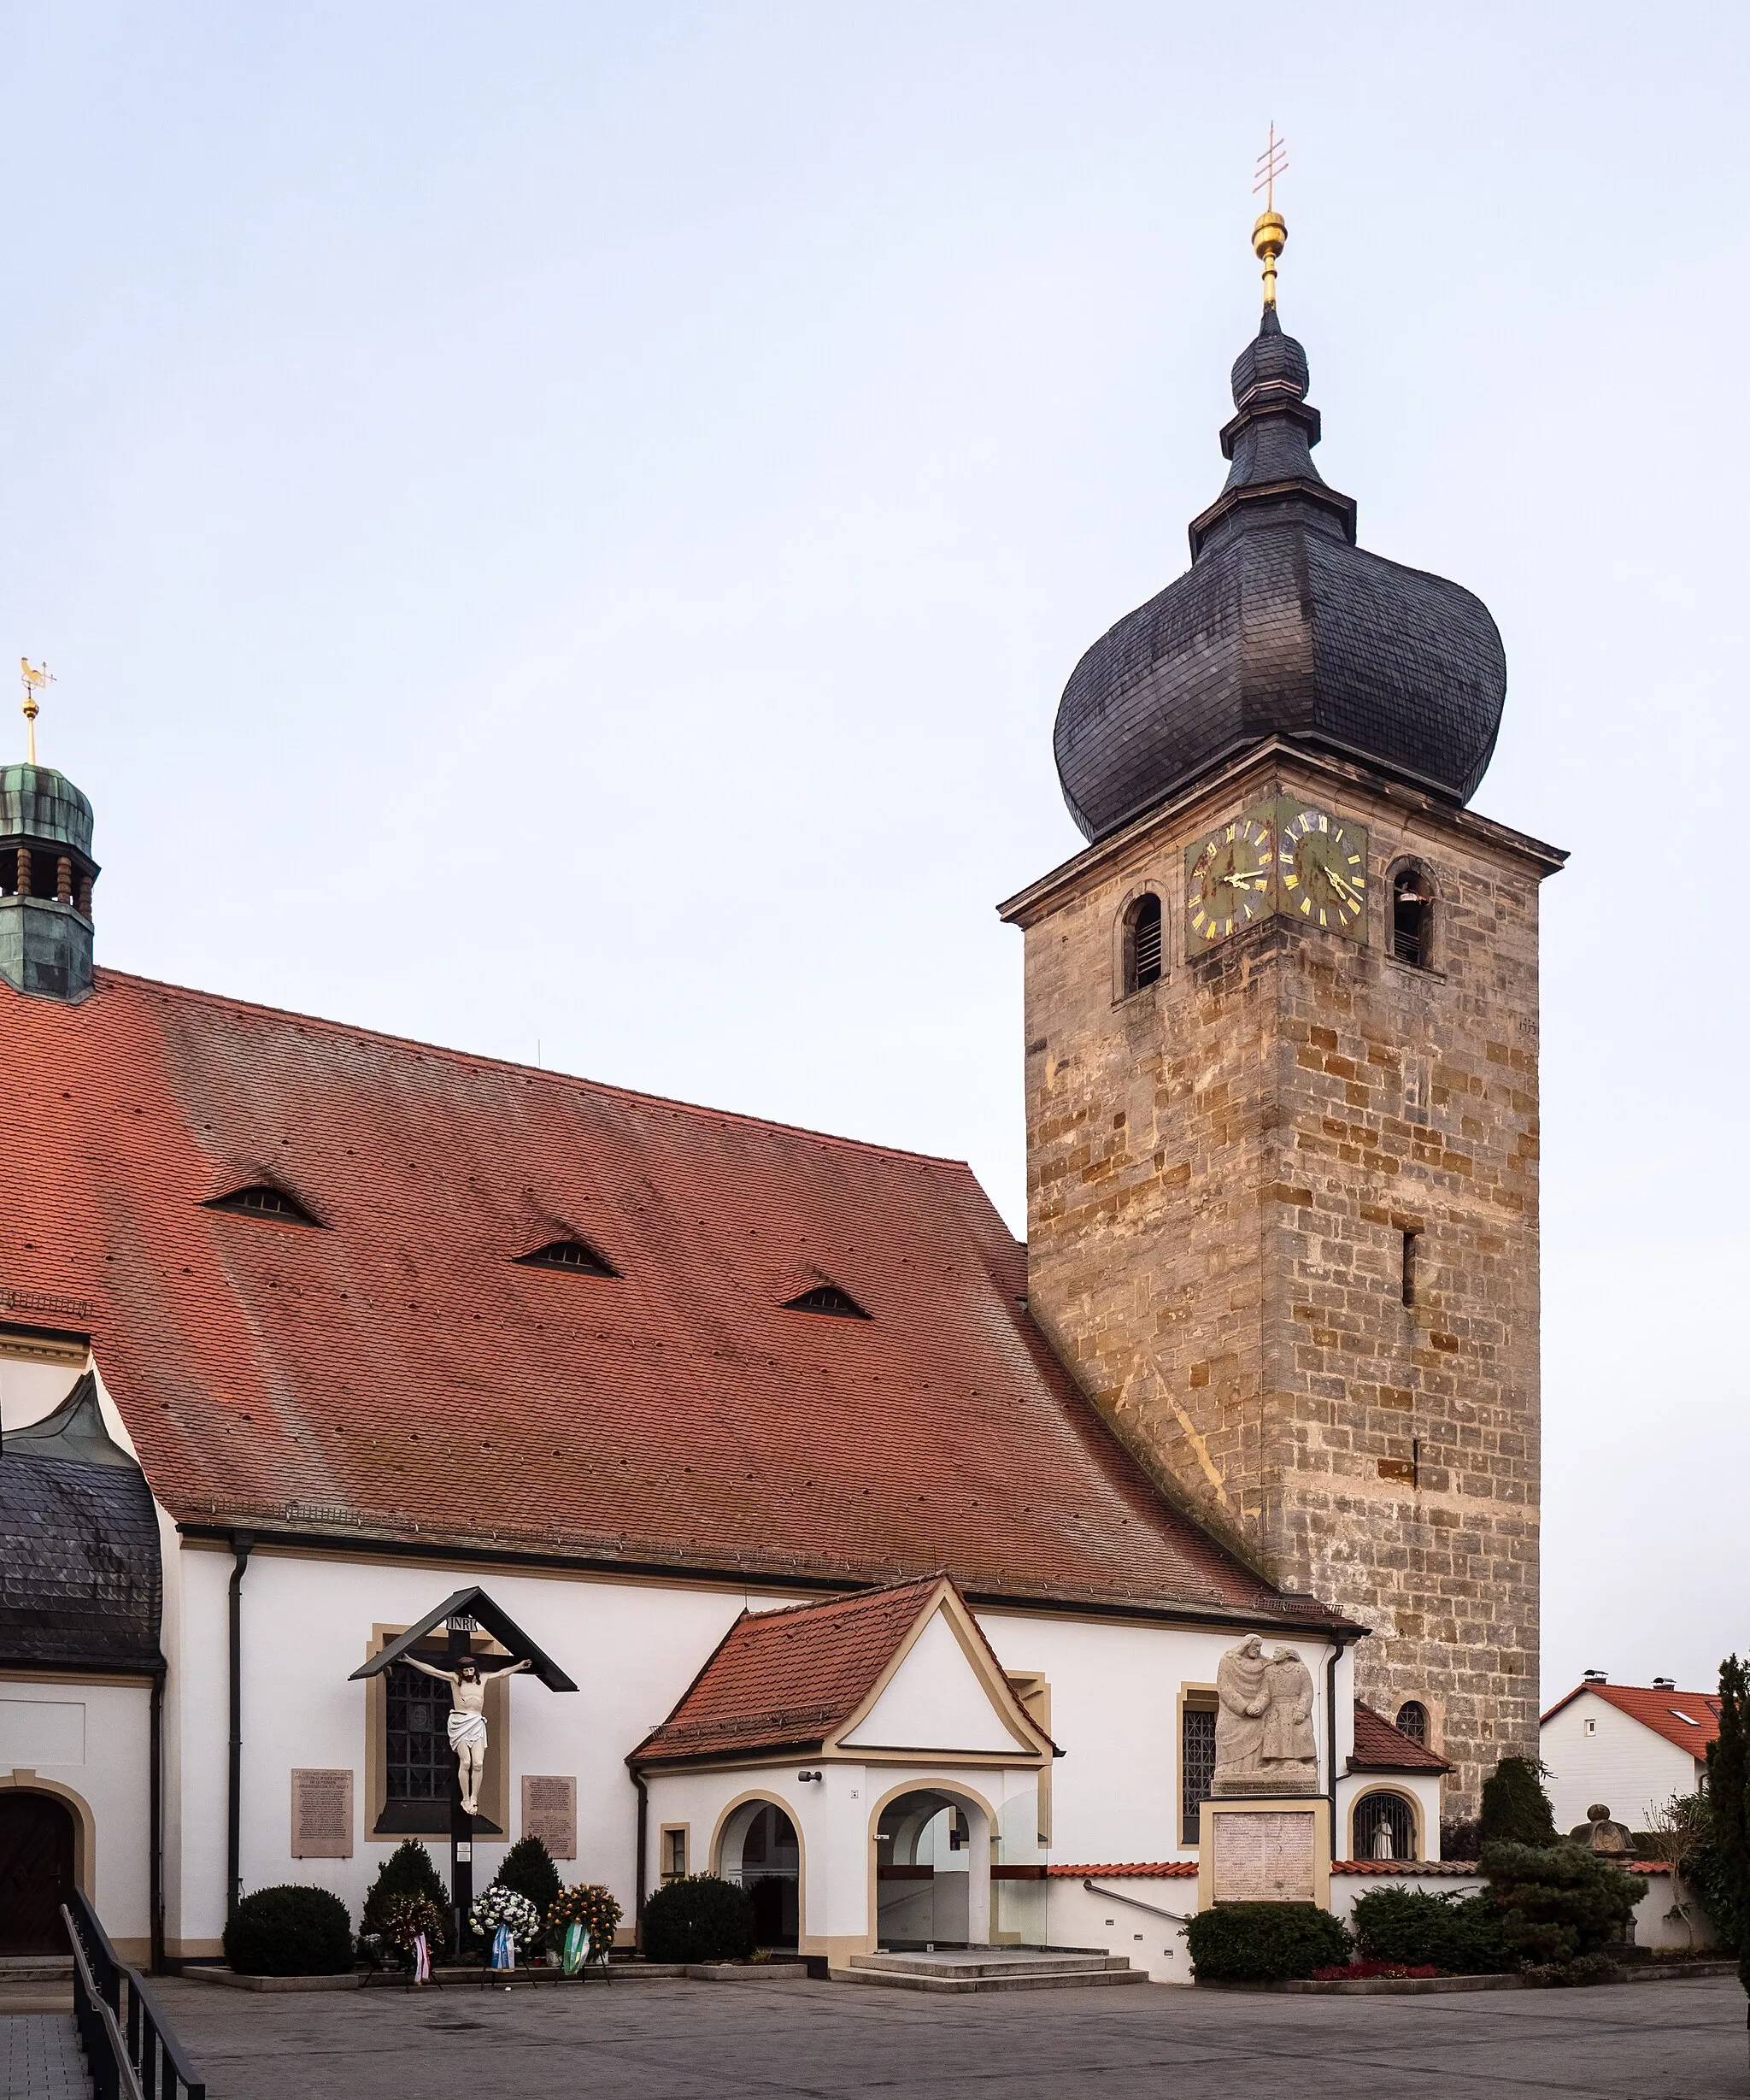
1268 1826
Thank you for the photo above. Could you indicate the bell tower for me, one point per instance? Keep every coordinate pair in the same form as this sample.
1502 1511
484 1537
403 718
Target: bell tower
46 873
1282 1022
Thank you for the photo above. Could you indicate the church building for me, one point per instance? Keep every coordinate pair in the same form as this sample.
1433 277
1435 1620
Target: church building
861 1554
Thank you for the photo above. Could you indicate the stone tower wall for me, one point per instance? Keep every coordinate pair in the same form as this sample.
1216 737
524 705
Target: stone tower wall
1221 1169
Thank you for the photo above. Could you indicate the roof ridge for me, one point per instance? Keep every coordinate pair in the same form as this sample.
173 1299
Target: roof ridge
478 1062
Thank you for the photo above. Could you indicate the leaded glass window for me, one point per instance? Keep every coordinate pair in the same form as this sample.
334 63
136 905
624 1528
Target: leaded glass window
1196 1768
419 1764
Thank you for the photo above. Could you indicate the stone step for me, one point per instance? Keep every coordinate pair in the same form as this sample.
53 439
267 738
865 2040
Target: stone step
987 1969
16 1967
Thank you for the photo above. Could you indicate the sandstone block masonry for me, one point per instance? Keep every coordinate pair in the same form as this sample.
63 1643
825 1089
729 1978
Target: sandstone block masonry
1228 1174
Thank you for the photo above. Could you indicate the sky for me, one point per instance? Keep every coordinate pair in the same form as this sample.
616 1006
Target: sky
560 530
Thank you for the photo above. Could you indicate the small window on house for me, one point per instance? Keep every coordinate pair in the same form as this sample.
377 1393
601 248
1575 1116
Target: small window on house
568 1254
827 1298
1412 1721
264 1201
1196 1762
1589 1727
1142 944
674 1852
1412 917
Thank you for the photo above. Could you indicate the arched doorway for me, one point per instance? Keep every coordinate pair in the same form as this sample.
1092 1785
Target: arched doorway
36 1872
760 1850
932 1873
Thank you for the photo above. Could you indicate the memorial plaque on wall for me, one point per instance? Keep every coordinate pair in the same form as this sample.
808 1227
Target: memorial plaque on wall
550 1813
322 1816
1265 1856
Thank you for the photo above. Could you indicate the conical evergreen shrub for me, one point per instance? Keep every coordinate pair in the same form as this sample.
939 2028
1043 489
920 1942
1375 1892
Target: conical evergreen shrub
1515 1808
528 1868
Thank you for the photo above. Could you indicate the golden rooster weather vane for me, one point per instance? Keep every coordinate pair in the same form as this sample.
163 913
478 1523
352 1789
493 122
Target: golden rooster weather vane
1271 234
33 678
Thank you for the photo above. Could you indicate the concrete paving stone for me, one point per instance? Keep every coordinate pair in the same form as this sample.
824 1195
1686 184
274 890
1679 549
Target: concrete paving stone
1683 2040
40 2058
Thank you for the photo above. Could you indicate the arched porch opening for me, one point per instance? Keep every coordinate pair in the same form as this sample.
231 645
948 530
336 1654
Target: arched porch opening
932 1872
37 1871
758 1849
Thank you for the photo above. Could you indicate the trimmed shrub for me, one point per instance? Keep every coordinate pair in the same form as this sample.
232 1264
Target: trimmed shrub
1265 1943
1515 1808
528 1868
1459 1934
409 1871
291 1931
699 1918
1557 1903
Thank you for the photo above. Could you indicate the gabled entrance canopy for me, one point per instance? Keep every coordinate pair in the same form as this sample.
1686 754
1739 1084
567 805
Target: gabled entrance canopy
473 1604
886 1676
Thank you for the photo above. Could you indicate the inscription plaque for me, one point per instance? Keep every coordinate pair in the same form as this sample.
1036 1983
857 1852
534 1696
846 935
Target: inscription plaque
321 1815
1263 1857
550 1812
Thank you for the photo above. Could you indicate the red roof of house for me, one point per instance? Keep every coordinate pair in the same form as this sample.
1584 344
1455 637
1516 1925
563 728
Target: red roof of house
788 1680
1135 1870
1689 1718
397 1375
1380 1747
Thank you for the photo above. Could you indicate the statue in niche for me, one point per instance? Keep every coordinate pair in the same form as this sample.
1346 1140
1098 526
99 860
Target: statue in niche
1384 1846
1264 1737
467 1684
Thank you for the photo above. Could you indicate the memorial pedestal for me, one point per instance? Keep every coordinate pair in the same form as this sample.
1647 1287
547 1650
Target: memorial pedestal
1264 1850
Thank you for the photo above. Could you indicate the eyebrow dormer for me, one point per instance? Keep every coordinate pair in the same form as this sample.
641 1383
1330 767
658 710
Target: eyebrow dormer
261 1199
827 1298
576 1256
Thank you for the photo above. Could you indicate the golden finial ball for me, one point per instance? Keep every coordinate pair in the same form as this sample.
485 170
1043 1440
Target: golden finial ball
1270 236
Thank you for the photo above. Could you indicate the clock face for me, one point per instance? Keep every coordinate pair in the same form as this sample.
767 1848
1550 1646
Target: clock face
1230 879
1322 862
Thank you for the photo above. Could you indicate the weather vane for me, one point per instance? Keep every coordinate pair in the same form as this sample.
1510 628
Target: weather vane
34 678
1270 236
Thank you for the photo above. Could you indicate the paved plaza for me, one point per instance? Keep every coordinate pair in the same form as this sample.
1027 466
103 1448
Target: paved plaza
1684 2040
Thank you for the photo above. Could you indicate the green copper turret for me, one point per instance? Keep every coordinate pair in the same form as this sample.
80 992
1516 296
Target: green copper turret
46 874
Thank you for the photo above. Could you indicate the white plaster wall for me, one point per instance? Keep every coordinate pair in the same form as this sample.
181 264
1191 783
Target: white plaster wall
1121 1918
1654 1927
102 1734
1114 1713
28 1391
935 1700
1628 1767
1346 1889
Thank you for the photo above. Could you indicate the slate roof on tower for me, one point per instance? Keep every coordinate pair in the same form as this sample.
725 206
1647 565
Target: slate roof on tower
393 1372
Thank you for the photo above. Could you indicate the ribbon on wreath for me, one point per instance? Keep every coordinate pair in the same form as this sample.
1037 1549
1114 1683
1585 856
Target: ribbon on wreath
577 1948
422 1959
503 1948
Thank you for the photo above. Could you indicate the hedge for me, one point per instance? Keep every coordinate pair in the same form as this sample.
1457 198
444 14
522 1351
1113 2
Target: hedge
1265 1943
290 1930
699 1918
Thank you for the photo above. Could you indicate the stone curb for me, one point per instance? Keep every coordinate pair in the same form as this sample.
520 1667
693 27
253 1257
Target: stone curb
205 1972
1420 1987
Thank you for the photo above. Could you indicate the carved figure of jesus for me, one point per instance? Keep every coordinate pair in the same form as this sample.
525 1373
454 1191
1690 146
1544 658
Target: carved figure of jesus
467 1720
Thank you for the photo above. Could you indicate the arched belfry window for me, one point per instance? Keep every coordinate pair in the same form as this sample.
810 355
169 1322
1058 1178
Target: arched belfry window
1412 917
1142 943
1412 1721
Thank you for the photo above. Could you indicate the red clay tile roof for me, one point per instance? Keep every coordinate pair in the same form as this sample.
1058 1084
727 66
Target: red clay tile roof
787 1679
398 1375
1153 1870
1380 1747
1689 1718
1452 1869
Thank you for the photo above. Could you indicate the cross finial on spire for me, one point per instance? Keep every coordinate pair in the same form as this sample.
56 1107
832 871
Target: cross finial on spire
1270 236
33 677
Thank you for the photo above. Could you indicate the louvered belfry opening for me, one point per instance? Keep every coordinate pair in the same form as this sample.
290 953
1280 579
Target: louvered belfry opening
1413 1720
827 1298
263 1200
1145 943
571 1254
1411 909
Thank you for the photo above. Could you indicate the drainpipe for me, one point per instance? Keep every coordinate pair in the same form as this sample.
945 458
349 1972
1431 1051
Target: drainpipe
155 1811
642 1838
241 1545
1336 1657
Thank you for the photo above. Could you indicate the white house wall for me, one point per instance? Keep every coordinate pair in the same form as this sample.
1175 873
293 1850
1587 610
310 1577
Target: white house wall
1628 1767
934 1701
92 1743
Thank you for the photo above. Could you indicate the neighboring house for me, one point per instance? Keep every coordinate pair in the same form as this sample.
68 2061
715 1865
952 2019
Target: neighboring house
1630 1747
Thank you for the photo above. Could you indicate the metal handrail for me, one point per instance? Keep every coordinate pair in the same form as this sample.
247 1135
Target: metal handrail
149 2062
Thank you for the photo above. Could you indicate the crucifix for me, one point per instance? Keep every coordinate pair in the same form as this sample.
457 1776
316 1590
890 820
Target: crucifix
1270 236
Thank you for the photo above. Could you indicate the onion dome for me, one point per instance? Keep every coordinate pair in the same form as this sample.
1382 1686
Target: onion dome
46 877
1282 627
43 806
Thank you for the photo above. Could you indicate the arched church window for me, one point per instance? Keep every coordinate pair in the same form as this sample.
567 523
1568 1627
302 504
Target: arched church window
1412 917
1142 943
1384 1827
1412 1721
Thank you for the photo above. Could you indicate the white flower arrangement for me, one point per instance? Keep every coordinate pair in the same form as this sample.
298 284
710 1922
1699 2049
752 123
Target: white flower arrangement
502 1906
